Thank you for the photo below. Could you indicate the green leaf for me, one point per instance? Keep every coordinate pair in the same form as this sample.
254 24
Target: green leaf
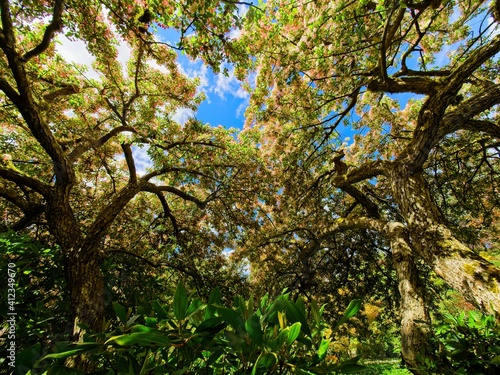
140 338
75 350
265 360
150 322
323 349
141 328
294 333
211 325
214 299
180 302
253 329
120 312
233 318
160 311
351 310
293 314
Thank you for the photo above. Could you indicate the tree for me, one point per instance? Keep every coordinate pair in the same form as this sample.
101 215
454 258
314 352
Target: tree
417 82
73 145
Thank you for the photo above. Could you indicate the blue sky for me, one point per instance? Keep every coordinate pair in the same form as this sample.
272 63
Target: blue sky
225 101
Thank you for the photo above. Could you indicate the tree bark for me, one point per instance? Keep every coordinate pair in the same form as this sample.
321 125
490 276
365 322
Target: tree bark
465 271
414 315
86 288
82 267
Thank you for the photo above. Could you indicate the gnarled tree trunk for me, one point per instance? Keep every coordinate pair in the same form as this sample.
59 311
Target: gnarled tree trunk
414 315
464 270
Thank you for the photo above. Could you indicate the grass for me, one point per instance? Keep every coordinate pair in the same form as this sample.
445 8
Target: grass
389 367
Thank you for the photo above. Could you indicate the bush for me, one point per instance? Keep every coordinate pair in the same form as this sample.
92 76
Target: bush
37 297
192 337
467 344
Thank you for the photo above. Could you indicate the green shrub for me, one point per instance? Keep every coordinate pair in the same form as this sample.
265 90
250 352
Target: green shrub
191 337
467 344
38 299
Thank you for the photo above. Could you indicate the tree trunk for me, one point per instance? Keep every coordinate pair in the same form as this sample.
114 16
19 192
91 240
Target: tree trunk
414 315
86 287
465 271
83 274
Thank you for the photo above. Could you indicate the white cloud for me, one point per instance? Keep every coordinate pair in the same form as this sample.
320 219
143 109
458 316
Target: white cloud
225 85
195 69
76 52
182 115
124 54
141 159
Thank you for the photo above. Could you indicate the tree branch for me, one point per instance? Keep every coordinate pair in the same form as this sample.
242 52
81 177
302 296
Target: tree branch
458 76
358 222
462 116
364 172
12 196
152 188
54 26
417 85
87 145
127 151
10 174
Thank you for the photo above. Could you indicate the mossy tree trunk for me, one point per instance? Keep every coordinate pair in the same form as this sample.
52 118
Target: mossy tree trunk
464 270
414 315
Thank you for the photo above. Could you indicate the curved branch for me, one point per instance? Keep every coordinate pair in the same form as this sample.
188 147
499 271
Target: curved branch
109 213
87 145
12 196
51 29
358 222
462 116
19 178
30 211
156 265
416 85
129 157
364 172
457 77
152 188
164 170
387 36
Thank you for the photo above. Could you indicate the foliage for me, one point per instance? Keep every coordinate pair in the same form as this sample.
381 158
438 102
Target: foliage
41 302
191 337
467 343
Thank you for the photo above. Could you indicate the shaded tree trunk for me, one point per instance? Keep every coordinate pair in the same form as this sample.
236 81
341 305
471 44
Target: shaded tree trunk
83 273
86 288
465 271
414 315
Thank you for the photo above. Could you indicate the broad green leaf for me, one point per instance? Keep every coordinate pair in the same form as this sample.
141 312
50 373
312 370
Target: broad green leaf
140 338
180 302
75 350
351 310
211 325
214 299
141 328
120 312
294 332
160 311
253 329
266 361
233 318
323 349
293 315
283 337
